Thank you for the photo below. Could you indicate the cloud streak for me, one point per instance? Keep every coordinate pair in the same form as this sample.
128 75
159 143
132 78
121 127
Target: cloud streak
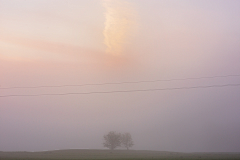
71 51
119 25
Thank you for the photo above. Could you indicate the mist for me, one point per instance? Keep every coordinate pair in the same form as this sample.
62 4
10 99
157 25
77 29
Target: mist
62 43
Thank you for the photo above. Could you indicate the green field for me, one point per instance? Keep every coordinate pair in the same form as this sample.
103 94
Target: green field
115 155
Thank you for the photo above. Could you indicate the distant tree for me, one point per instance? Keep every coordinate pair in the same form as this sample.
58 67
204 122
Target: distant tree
126 140
112 140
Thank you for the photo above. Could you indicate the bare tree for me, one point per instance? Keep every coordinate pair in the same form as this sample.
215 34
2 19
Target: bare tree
112 140
126 140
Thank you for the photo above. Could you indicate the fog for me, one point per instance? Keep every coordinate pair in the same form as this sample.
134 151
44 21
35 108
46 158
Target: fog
49 43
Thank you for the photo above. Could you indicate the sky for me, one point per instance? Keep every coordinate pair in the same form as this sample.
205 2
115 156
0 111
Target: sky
76 42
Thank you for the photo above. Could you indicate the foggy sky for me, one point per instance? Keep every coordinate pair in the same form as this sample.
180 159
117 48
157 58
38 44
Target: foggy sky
61 42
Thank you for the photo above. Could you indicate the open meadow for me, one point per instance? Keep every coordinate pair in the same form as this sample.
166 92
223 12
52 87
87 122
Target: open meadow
116 155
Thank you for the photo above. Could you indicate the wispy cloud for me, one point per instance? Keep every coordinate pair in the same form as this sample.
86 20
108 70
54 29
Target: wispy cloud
119 24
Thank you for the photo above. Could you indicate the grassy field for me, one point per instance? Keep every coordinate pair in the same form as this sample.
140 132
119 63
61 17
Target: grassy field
115 155
129 159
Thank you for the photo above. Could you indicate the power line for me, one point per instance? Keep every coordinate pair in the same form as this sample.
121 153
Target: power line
119 83
125 91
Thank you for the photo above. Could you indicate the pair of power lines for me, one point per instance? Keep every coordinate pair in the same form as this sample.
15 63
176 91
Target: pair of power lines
123 91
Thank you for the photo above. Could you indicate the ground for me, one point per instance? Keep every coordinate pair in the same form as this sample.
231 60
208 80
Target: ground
115 155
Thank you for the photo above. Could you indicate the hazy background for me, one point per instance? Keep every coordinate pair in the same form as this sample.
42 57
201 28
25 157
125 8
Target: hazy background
63 42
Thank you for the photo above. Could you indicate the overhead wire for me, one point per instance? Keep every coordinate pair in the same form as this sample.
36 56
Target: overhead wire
125 91
117 83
